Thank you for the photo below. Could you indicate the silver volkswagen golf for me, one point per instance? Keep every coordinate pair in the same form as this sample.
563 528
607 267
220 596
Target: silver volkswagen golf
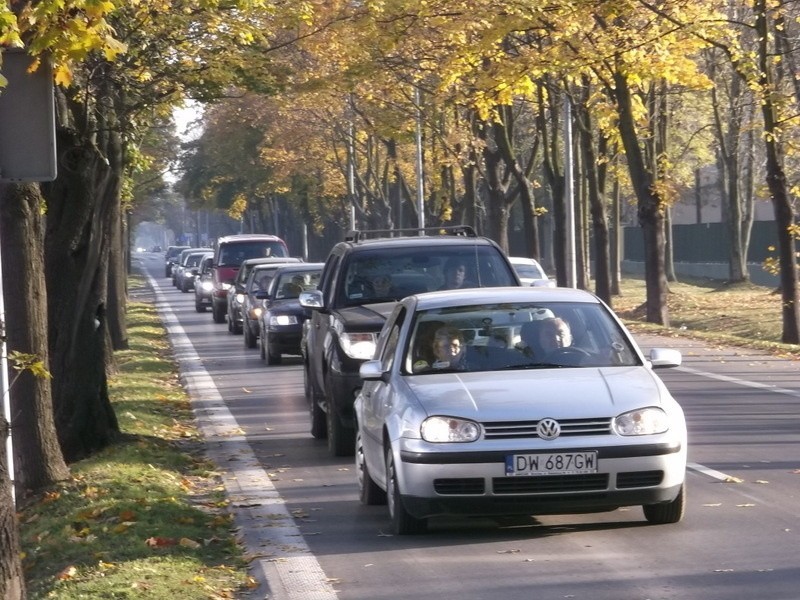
516 401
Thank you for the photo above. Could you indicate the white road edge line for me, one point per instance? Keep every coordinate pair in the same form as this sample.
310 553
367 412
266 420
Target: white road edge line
281 561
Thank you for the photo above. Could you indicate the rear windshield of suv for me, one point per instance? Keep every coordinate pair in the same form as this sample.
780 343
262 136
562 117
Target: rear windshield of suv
416 270
233 253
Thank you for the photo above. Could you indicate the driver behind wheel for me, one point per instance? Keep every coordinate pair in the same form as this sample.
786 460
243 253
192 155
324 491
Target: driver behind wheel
554 334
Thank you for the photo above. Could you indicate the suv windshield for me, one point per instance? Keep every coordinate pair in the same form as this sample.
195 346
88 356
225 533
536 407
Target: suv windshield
389 274
232 254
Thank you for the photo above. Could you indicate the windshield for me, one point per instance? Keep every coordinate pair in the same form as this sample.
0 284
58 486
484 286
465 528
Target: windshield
529 271
489 337
232 254
290 284
390 274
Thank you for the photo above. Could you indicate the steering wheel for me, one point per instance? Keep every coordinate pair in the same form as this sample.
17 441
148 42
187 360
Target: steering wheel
568 355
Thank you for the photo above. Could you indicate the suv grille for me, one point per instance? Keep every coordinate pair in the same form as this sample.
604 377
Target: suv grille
500 430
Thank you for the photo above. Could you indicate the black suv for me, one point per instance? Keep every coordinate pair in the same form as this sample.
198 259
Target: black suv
362 280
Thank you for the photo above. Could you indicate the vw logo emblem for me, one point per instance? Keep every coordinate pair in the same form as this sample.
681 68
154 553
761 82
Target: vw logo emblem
548 429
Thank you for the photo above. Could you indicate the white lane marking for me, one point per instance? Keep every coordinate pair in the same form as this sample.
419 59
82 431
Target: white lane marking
283 563
736 380
753 384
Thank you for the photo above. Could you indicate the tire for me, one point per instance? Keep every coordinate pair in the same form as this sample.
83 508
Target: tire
319 427
199 306
666 513
249 339
341 439
261 348
273 358
217 313
402 522
368 491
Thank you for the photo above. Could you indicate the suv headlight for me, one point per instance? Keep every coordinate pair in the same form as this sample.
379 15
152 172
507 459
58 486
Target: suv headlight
449 429
358 345
281 320
644 421
240 298
207 286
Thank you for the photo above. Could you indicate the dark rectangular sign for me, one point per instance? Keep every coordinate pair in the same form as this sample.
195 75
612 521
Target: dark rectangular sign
27 120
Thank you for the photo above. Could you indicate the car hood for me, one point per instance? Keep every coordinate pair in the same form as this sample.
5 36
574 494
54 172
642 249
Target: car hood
367 317
557 393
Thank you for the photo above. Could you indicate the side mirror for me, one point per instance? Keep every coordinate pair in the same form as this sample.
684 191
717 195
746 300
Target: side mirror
662 358
311 299
372 370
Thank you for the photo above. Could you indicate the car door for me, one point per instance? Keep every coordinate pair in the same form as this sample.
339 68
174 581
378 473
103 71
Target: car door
320 323
379 397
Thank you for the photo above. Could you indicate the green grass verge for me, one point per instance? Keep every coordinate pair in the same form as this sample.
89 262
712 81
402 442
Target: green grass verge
743 314
147 516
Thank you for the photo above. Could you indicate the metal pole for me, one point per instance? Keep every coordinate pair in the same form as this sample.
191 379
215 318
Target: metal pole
420 164
351 175
4 385
569 200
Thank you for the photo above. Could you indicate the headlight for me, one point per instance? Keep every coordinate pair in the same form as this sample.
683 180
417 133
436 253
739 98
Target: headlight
255 313
358 345
645 421
188 274
225 286
449 429
240 298
207 286
280 320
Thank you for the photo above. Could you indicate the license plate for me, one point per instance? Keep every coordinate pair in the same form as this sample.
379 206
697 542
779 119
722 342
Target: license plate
556 463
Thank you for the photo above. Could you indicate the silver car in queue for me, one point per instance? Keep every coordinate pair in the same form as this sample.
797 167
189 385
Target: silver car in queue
512 429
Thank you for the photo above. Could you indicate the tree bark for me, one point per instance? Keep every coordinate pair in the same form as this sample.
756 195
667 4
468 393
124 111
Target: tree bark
82 205
651 207
776 182
12 582
37 455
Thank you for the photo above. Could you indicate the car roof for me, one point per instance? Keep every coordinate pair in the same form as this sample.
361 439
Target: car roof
298 267
415 242
495 295
522 260
266 260
246 237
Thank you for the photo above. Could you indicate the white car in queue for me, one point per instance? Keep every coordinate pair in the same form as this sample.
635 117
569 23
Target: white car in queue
516 401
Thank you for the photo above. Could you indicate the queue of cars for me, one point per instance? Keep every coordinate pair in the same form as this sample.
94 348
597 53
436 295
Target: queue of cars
465 383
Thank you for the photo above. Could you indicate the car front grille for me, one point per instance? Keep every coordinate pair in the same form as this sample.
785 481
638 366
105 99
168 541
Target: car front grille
499 430
551 484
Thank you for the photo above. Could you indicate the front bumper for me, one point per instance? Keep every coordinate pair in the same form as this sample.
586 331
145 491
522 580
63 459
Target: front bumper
466 483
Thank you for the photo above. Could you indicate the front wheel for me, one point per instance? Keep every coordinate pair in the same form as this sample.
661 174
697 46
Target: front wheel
218 312
403 523
249 338
341 439
319 427
368 491
273 357
666 513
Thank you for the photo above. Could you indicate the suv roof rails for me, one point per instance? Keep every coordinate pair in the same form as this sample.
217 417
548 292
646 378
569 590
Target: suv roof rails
357 235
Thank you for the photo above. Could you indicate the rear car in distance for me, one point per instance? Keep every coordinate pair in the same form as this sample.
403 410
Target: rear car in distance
237 295
203 285
229 253
544 405
531 272
282 318
363 278
170 257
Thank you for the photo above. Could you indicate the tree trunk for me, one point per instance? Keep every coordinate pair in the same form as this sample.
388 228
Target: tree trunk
12 582
117 284
776 182
650 208
37 455
554 174
82 205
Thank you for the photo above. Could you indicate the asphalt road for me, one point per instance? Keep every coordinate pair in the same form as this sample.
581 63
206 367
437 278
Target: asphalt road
299 515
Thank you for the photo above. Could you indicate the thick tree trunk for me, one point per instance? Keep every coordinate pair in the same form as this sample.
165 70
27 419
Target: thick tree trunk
117 279
650 208
82 204
12 582
37 455
776 182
